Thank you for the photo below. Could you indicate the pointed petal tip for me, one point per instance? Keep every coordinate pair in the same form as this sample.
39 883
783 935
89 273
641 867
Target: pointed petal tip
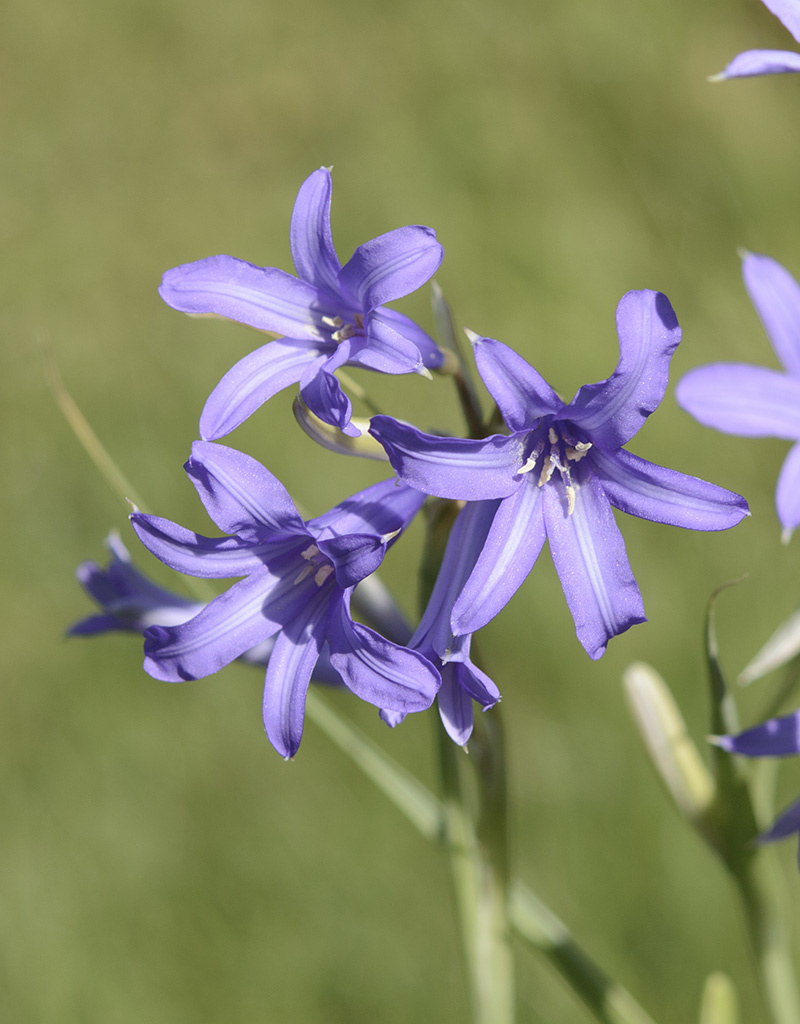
786 534
723 742
719 77
472 337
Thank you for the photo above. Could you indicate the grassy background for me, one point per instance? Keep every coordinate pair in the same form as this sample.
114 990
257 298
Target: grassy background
159 862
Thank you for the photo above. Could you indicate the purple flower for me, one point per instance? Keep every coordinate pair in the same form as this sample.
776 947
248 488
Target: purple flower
299 579
129 601
329 315
754 401
462 681
779 737
768 62
558 474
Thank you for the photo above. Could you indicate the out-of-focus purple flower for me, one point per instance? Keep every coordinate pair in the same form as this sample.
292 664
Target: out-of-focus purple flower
768 62
330 315
462 681
129 601
298 582
754 401
779 737
558 474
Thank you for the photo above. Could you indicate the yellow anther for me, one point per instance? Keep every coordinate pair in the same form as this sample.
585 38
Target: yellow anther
322 574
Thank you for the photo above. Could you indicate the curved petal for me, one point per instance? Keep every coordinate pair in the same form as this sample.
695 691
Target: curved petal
376 670
227 627
760 62
296 651
512 546
787 493
786 823
387 351
751 401
613 410
432 356
188 552
590 559
455 707
663 495
261 297
254 379
776 297
240 495
354 556
384 508
787 12
521 394
463 550
314 256
390 266
779 737
323 394
452 467
95 624
475 683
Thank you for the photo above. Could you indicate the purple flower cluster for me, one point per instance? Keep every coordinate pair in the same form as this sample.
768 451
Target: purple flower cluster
556 474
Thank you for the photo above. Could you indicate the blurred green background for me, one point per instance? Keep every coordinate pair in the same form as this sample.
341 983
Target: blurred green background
159 861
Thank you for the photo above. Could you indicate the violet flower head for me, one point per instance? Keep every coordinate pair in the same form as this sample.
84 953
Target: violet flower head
329 315
128 600
299 578
778 737
754 401
768 62
557 476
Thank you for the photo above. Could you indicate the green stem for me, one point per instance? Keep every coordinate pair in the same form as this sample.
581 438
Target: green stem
479 869
537 926
759 885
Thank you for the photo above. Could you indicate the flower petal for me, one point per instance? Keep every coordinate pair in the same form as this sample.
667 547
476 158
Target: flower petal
451 467
786 823
390 266
760 62
247 613
431 353
314 256
323 394
378 671
751 401
296 651
354 556
464 546
455 707
475 682
590 559
521 394
381 509
240 495
511 548
779 737
663 495
387 351
254 379
787 493
776 297
262 297
613 410
787 12
188 552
